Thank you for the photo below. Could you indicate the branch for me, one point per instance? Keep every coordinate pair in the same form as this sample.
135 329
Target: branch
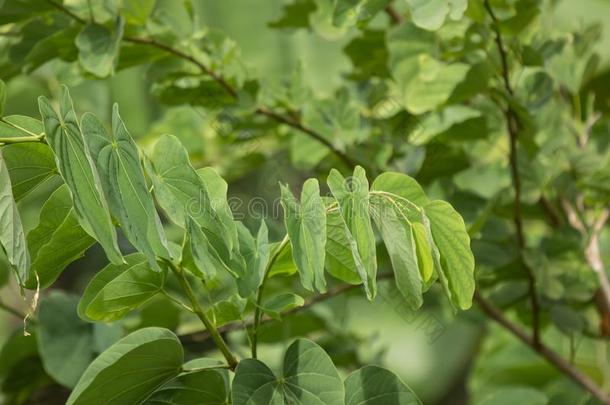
512 124
264 111
11 310
394 15
550 355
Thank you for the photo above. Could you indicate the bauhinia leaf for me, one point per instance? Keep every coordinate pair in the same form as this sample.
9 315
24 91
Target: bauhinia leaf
456 258
123 182
78 171
204 255
339 259
397 234
353 200
254 255
29 165
276 305
57 241
12 237
372 385
309 377
181 192
116 290
131 370
98 47
306 226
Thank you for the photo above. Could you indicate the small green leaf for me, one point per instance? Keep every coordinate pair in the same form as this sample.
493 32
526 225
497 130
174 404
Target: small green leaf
78 171
12 237
309 377
123 182
57 241
306 226
276 305
29 165
372 385
254 253
228 310
137 11
353 199
131 370
98 47
339 258
116 290
431 14
456 258
205 257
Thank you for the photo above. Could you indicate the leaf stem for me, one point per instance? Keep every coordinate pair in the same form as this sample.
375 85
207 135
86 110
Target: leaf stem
21 139
176 301
215 335
259 296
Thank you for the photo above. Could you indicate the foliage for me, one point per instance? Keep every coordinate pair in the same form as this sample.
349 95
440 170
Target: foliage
463 131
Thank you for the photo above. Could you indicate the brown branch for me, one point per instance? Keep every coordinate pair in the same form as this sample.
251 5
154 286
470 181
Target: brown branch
394 15
551 356
512 124
264 111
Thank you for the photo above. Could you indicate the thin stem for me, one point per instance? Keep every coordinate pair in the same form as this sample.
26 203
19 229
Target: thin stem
261 289
21 139
550 355
262 110
512 124
198 369
13 311
176 301
395 16
216 337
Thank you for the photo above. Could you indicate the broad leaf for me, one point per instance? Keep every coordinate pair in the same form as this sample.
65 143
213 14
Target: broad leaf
306 226
29 165
131 369
206 387
78 171
12 237
116 290
122 179
353 199
15 126
339 258
373 385
401 185
204 255
98 47
456 258
309 377
57 241
66 343
181 192
397 234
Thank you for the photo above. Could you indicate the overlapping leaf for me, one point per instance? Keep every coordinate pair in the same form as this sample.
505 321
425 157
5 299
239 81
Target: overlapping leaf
76 166
123 182
306 226
29 165
374 385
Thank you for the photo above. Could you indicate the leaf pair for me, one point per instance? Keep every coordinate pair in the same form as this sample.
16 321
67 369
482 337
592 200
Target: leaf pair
310 377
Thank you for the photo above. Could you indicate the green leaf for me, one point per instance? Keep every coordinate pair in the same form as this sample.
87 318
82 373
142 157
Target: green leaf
276 305
339 258
205 257
57 241
456 258
353 199
397 234
29 165
306 227
123 182
309 377
511 395
116 290
98 47
228 310
14 126
137 11
295 15
431 14
12 237
372 385
255 254
181 192
206 387
2 97
401 185
66 343
131 369
78 171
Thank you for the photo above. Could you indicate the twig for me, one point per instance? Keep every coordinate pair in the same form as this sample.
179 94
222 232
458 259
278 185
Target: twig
512 124
264 111
11 310
550 355
394 15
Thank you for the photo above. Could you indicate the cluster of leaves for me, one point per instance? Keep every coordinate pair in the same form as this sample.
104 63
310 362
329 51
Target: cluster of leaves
486 104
